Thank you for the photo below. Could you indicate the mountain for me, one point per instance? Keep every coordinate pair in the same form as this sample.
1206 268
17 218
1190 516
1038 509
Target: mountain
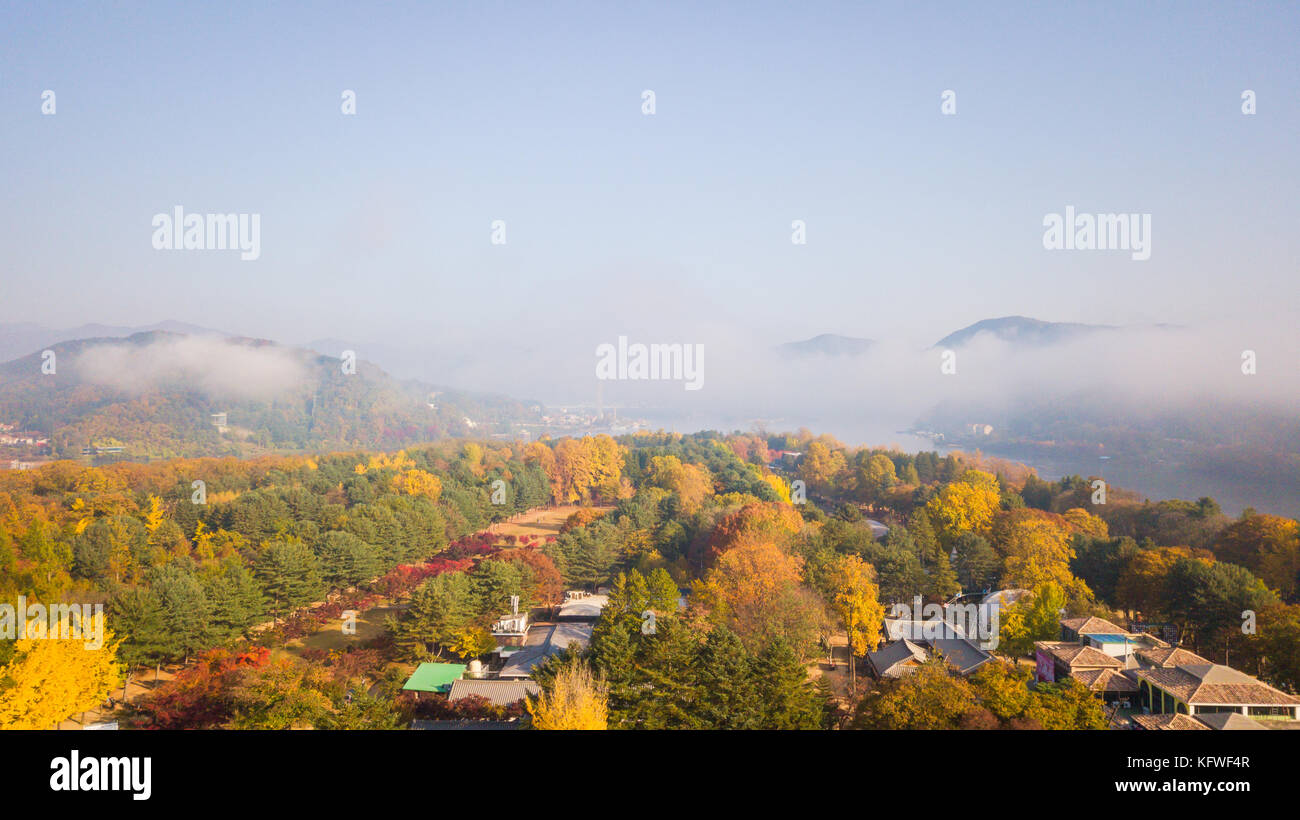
1021 330
20 338
155 394
827 344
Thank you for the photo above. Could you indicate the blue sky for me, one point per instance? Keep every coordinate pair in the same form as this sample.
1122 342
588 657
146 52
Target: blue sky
376 226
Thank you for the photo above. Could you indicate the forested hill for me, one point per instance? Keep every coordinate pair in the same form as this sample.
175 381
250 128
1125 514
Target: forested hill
155 395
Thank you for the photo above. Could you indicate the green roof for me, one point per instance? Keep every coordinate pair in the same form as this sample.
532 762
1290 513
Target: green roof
435 677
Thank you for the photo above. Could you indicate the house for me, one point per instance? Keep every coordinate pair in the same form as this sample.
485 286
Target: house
582 606
511 630
1056 660
901 657
896 659
1073 629
963 655
544 640
1219 722
497 692
434 677
897 629
1167 722
1113 685
1168 656
1211 688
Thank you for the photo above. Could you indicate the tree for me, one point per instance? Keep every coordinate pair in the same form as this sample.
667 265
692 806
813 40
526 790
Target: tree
440 608
346 560
978 566
1037 619
1036 549
1267 545
755 590
928 698
290 574
966 505
186 610
284 694
689 482
853 598
47 680
574 698
235 598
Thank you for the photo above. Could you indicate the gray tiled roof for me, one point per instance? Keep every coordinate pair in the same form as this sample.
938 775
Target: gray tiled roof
499 692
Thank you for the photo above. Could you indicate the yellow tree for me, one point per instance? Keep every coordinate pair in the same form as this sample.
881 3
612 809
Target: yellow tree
821 466
1035 547
854 599
1142 578
965 505
691 484
576 698
419 483
49 680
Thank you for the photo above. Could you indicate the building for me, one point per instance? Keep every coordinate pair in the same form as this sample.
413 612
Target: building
1219 722
434 677
582 606
496 692
543 641
896 659
1208 689
901 657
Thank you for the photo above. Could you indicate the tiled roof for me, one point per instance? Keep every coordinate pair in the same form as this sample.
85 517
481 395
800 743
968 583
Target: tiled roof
1170 656
1169 722
1214 684
891 660
1105 680
961 654
1230 721
499 692
1077 655
1090 625
465 725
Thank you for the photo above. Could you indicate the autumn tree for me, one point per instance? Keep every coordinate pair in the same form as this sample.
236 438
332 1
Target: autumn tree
756 590
574 698
1267 545
47 680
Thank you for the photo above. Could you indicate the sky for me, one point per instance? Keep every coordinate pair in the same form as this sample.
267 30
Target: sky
669 227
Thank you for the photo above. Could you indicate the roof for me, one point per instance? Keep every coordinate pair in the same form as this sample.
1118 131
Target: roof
1169 656
894 659
1077 655
961 654
465 724
1168 722
498 692
1110 637
1229 720
544 641
1105 680
1215 684
1005 597
434 677
583 609
896 629
1091 625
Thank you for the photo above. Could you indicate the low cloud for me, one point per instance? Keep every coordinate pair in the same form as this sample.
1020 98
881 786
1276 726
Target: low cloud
216 367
